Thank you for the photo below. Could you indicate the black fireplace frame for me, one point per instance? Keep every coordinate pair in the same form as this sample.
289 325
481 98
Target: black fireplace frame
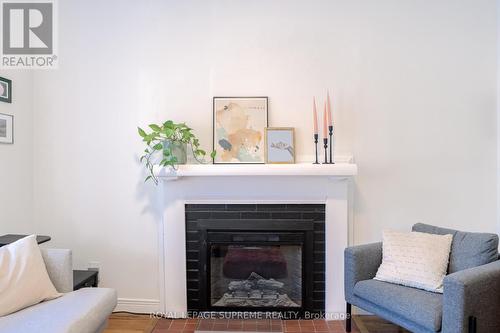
274 227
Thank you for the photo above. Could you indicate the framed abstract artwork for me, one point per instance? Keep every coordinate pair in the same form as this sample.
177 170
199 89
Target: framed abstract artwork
6 128
238 126
5 90
280 145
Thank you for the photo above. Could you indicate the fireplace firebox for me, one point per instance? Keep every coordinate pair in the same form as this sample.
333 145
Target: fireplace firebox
255 258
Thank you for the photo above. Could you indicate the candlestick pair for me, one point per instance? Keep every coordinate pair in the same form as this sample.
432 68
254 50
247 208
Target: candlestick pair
325 145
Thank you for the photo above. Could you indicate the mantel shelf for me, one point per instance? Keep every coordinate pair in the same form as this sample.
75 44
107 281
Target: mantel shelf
338 170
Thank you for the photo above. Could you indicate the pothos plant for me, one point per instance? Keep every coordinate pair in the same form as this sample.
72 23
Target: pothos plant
163 139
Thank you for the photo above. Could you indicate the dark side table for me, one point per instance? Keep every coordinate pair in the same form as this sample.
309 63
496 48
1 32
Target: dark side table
85 279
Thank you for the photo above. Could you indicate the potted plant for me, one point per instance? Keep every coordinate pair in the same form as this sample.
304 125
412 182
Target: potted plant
167 146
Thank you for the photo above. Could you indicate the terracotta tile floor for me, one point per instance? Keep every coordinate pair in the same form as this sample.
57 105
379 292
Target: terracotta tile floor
287 326
132 323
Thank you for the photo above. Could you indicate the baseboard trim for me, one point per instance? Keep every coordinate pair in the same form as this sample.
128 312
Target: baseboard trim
138 305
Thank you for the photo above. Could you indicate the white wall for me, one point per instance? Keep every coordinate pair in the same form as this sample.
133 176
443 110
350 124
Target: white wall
415 102
16 160
425 126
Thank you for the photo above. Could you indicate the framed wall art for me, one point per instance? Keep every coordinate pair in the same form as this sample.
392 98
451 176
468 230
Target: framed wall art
6 128
238 129
280 145
5 90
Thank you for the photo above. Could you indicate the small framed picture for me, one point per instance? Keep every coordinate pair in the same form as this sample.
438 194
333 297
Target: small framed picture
5 90
280 145
6 128
239 124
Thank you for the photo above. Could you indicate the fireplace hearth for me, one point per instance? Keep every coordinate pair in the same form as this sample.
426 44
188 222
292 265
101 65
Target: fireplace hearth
255 257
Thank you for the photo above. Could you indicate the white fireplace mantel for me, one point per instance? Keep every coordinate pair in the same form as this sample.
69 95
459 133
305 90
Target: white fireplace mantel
256 183
299 169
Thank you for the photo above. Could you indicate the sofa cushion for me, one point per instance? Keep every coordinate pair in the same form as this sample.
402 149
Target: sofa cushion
24 280
421 307
468 249
59 265
81 311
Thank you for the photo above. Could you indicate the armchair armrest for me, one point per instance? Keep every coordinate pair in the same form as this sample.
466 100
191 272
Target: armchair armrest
60 268
472 292
360 263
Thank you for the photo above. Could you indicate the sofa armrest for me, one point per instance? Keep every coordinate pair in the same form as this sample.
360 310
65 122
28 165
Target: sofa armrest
60 268
472 292
360 263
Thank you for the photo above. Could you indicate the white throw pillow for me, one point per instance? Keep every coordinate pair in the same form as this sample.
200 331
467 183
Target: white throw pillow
24 280
415 259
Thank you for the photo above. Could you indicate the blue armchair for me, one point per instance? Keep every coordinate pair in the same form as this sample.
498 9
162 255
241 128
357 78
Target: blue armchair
470 301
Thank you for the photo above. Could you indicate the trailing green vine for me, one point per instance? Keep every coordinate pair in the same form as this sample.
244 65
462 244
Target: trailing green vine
160 139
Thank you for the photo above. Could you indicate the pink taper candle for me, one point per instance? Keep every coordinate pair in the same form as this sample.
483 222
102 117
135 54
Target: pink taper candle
328 109
315 116
325 126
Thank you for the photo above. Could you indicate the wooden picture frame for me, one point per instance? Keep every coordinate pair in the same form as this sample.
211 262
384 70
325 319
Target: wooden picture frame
279 143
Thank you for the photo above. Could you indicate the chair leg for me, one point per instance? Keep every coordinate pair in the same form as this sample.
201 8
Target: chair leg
472 324
348 317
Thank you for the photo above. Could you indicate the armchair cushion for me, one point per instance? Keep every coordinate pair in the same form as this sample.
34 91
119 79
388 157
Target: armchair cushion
421 307
415 259
468 249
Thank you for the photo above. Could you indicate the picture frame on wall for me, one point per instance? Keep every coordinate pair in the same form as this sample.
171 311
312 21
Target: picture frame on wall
280 145
239 125
5 90
6 128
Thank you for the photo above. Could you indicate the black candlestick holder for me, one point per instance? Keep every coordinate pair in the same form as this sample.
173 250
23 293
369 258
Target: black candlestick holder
325 144
316 136
330 130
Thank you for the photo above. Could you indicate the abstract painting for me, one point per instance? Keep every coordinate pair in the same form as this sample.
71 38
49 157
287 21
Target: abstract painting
239 124
6 128
5 90
280 145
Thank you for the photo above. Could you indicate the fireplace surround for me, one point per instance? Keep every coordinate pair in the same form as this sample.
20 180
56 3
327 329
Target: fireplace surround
255 257
302 183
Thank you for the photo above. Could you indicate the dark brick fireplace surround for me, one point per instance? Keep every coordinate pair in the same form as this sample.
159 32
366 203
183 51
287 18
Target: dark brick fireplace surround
275 226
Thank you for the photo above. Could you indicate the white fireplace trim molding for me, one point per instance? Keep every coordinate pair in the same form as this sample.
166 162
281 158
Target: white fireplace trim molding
333 191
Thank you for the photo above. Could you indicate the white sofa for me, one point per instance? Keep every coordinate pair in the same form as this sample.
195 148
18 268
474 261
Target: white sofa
82 311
